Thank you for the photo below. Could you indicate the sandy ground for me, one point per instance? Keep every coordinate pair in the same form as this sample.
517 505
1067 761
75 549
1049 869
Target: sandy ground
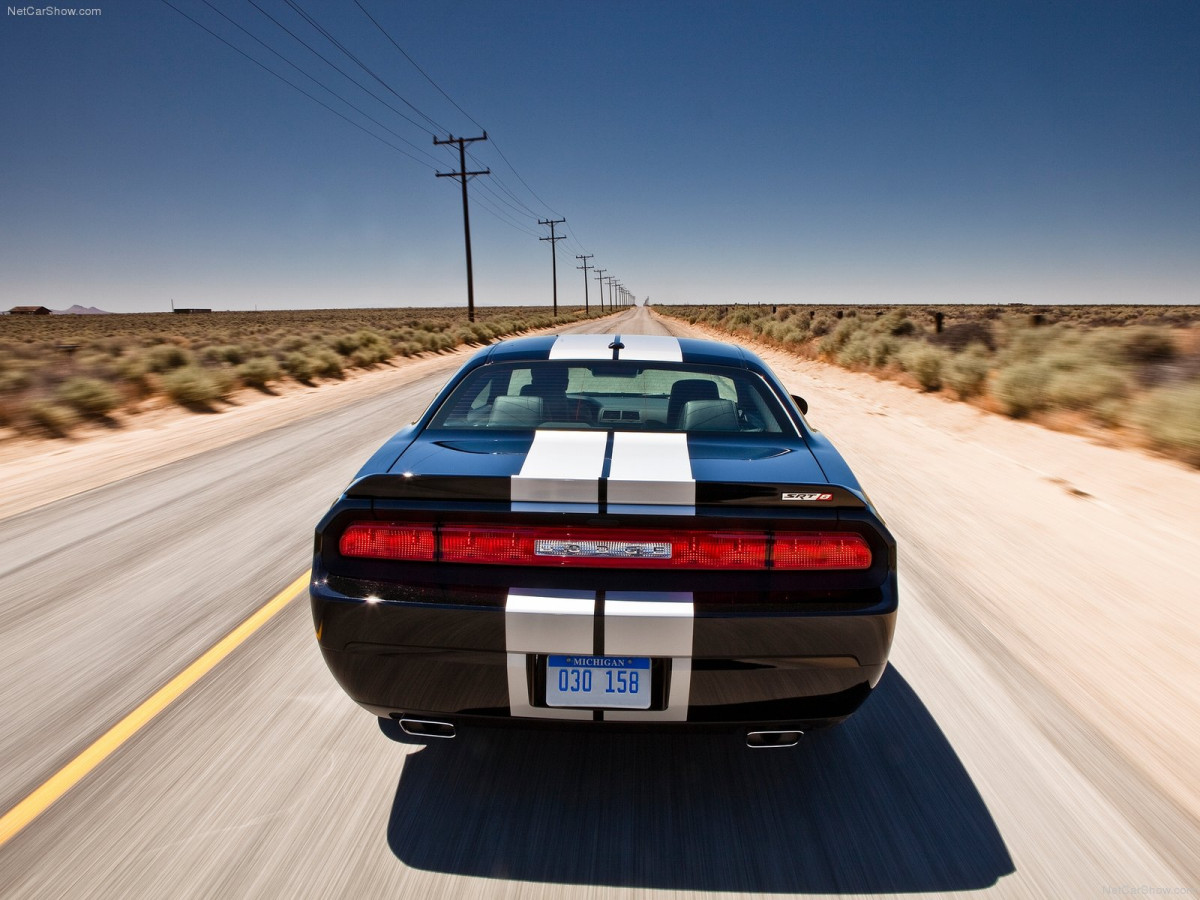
1080 559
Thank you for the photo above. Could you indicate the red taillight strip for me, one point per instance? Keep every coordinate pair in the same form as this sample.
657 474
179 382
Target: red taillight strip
388 540
606 548
821 551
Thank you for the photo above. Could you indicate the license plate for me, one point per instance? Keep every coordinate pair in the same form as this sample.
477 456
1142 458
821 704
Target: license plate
620 682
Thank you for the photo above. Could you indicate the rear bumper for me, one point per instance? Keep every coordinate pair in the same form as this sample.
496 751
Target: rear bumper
469 657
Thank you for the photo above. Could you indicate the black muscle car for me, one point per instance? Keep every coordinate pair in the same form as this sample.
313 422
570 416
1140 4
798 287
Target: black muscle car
604 529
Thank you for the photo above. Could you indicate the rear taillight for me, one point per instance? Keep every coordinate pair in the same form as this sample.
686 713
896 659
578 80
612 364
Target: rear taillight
605 548
388 540
821 551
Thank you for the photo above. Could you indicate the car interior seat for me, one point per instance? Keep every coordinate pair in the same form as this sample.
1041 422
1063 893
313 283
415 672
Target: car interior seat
709 415
682 392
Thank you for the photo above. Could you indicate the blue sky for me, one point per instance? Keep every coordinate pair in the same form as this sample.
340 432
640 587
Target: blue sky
702 151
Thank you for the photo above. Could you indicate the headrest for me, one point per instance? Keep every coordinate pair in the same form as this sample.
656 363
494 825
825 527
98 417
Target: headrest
516 412
709 415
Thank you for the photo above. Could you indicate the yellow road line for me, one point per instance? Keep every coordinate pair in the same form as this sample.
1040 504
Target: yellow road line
73 772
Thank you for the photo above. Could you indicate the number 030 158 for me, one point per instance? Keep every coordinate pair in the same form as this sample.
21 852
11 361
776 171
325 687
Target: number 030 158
598 681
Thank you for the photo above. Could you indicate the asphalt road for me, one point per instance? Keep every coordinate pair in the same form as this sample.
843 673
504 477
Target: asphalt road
963 773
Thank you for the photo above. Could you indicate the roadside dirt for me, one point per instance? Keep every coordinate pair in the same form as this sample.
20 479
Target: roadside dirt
1077 560
36 471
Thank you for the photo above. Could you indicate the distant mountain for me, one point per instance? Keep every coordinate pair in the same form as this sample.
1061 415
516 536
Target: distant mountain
78 310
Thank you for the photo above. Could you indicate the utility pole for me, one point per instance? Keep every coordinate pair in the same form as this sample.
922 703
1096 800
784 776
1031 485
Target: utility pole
585 268
600 278
610 279
463 175
553 254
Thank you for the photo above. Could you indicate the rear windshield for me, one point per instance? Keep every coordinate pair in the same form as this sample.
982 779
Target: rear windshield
620 395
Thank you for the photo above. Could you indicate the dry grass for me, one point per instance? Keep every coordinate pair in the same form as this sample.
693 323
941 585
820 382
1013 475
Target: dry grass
1116 367
56 371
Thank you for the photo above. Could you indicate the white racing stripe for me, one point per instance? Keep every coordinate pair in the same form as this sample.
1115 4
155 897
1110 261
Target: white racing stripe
562 468
651 347
545 622
636 623
582 346
644 623
651 473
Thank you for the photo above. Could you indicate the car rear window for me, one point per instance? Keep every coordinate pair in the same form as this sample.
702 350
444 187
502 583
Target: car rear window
622 395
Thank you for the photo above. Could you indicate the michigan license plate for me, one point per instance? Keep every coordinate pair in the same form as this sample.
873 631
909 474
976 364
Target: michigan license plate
600 682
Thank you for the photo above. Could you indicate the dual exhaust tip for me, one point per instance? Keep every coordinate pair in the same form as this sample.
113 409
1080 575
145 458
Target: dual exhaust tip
759 740
756 740
427 728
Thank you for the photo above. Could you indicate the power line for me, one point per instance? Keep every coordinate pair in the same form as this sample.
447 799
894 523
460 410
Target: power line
313 22
310 77
385 33
296 87
337 68
498 213
440 90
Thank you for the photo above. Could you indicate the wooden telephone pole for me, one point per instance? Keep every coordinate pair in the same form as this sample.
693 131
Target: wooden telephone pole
463 176
585 268
553 239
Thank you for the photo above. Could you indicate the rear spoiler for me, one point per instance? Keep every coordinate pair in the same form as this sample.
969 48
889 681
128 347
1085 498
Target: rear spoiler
497 489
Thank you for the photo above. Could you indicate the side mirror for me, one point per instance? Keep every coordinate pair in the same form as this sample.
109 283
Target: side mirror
801 402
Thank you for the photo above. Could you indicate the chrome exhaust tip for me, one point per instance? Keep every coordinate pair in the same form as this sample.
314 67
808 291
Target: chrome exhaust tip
427 728
758 740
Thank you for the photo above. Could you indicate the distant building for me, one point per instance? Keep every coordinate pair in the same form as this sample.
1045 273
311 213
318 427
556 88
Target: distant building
29 311
184 310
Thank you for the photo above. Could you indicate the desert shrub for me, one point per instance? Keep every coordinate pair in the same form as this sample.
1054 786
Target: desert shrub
234 354
822 324
857 351
365 358
961 335
741 317
192 386
259 372
88 396
1110 412
326 363
1087 386
965 373
134 370
840 336
1171 418
292 343
1144 344
884 348
1026 344
14 380
895 323
53 419
165 357
924 363
794 336
1021 388
300 366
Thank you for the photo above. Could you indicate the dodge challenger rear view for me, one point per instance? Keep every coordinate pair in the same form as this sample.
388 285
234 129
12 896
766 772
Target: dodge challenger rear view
592 529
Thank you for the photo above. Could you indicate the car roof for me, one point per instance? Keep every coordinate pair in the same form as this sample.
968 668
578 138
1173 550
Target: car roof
632 347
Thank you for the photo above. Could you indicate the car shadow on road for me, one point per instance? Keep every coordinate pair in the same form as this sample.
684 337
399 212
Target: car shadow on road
879 805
